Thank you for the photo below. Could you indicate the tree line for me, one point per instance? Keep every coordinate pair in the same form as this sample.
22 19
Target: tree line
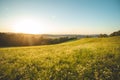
117 33
17 39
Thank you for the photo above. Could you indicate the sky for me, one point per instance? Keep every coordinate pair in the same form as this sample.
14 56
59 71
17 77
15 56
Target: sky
60 16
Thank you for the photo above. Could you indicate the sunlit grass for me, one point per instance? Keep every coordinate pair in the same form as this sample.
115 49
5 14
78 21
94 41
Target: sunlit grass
84 59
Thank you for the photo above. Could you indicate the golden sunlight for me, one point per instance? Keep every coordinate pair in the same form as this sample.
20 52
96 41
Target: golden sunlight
27 26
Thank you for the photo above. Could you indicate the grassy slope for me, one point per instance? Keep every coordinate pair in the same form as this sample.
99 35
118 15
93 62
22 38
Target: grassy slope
88 59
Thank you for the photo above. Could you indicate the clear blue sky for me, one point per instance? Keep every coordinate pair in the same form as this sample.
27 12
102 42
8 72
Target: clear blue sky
63 16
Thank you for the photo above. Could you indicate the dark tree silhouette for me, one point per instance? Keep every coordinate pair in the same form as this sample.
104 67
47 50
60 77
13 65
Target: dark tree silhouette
103 35
117 33
15 39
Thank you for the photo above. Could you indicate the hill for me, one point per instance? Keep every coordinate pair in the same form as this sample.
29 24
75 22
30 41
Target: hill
21 39
84 59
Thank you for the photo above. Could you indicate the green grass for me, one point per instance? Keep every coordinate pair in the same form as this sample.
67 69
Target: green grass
84 59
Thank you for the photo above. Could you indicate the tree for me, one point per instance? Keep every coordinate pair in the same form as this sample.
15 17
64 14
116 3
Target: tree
103 35
117 33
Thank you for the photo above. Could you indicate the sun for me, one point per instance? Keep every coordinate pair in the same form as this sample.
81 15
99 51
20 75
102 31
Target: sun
27 26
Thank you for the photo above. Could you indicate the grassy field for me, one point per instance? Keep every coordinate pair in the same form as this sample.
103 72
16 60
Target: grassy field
84 59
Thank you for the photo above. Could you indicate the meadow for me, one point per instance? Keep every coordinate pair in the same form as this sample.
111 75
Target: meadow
83 59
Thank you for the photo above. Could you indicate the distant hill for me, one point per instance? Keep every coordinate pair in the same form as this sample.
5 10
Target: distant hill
20 39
